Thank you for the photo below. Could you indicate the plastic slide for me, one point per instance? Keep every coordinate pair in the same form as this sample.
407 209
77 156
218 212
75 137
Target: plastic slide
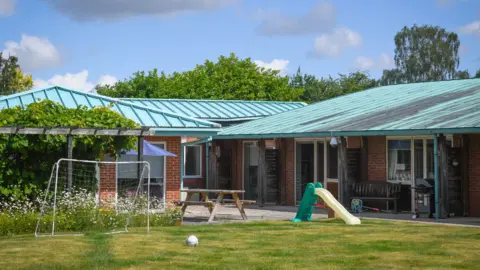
310 197
336 206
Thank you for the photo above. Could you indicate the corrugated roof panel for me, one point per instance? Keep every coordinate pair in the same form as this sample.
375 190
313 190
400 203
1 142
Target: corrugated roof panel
446 104
142 114
219 109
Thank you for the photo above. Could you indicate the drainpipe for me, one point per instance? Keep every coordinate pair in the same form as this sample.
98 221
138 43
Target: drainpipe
435 166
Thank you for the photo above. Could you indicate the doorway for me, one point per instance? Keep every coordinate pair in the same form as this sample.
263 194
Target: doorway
305 167
250 169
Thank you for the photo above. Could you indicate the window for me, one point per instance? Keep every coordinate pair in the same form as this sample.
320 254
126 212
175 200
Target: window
193 160
399 160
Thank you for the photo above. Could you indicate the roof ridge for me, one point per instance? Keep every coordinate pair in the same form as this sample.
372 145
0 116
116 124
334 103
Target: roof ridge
217 100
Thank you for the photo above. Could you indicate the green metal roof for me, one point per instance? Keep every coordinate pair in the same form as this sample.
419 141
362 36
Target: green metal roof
163 122
417 108
218 110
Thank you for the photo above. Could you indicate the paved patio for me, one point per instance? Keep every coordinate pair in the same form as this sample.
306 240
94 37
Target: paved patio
229 214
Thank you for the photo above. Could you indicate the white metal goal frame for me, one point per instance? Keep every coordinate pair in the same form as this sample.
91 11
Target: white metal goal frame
55 175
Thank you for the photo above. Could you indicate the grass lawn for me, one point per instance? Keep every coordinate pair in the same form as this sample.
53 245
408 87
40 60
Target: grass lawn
327 244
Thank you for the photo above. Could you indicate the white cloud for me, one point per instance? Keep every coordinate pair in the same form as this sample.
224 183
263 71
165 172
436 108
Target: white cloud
385 61
107 80
276 64
33 53
333 44
7 7
471 28
85 10
78 81
319 19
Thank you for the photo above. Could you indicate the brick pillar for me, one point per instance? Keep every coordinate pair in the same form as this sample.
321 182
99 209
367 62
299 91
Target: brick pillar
474 176
377 163
108 177
290 171
238 166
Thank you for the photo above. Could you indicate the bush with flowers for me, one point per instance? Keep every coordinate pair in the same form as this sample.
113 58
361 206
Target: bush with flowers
81 211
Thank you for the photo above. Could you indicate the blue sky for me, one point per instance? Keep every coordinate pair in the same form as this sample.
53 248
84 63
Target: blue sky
81 43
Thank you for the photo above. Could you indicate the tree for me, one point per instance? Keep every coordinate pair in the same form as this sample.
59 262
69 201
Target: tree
228 78
27 160
424 53
325 88
477 74
462 74
12 80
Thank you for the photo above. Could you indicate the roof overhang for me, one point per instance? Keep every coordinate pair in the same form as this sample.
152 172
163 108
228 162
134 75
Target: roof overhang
193 132
409 132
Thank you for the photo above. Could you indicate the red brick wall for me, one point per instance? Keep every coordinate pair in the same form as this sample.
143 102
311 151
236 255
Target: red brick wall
474 176
354 142
108 177
172 165
377 164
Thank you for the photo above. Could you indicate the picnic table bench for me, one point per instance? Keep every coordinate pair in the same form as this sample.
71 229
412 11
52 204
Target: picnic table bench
213 205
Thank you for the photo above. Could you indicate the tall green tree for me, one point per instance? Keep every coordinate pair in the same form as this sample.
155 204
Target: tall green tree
462 74
12 79
325 88
424 53
477 74
228 78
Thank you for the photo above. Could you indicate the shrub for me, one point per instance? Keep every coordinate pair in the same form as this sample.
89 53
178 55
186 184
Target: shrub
79 211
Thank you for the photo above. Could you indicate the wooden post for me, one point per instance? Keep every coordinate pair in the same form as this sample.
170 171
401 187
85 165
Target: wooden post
261 174
364 160
343 195
213 173
443 176
282 168
464 163
70 156
140 157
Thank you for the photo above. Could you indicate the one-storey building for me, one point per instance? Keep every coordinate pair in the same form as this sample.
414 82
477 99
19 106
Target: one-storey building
414 135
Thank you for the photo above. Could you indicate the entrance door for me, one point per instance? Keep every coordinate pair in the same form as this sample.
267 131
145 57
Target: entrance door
250 168
305 167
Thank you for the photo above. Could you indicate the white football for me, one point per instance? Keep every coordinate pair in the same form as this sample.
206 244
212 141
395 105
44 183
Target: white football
192 241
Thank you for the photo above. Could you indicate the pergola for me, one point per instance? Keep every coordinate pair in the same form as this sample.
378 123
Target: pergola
73 131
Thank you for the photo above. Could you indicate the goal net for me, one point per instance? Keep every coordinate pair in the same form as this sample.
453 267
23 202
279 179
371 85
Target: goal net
85 195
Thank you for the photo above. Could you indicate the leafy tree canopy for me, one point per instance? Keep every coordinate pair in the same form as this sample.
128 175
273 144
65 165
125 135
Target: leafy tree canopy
12 80
325 88
28 159
228 78
424 53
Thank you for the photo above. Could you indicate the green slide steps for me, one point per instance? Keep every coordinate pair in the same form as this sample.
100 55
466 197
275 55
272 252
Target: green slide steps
305 210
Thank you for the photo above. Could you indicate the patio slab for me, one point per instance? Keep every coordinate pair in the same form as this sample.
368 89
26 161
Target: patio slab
229 214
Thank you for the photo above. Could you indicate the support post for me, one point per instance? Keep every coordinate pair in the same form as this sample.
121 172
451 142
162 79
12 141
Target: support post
140 157
207 160
364 160
261 174
443 176
182 165
213 167
435 166
282 168
343 195
70 156
464 163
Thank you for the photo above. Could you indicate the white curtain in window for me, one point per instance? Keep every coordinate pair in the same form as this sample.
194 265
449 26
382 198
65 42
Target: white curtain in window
392 165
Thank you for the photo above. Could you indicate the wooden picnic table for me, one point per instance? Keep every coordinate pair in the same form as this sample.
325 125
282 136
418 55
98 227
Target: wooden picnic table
214 205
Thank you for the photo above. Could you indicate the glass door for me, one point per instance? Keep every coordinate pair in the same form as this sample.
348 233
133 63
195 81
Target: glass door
305 167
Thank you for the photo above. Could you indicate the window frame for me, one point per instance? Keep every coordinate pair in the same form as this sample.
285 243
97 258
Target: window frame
185 176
